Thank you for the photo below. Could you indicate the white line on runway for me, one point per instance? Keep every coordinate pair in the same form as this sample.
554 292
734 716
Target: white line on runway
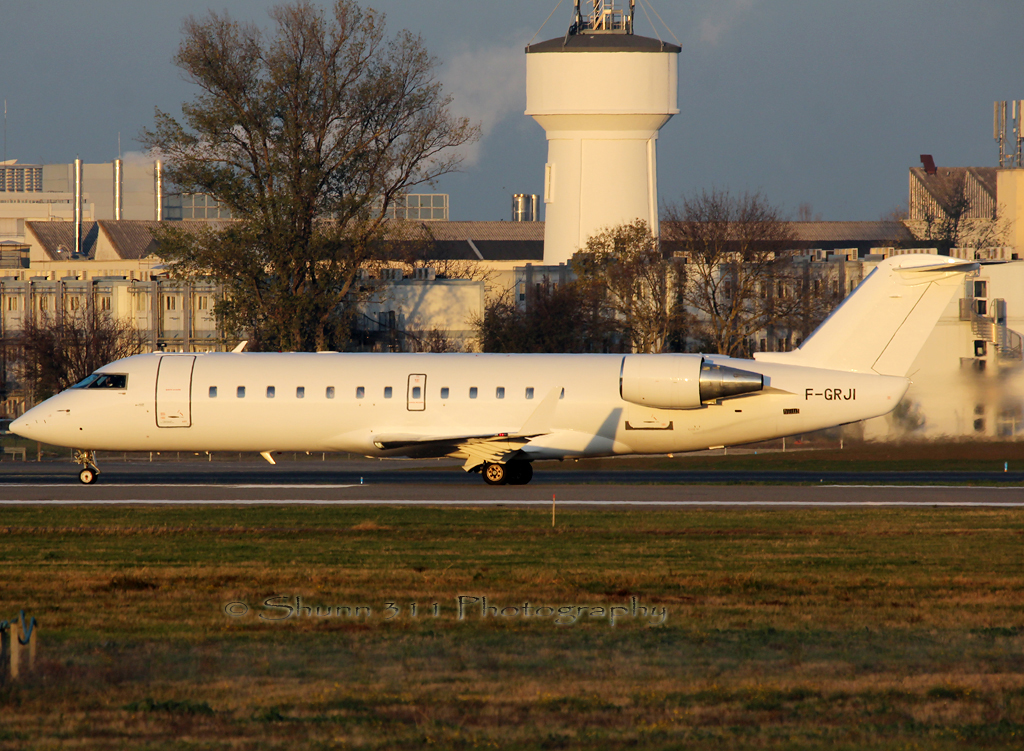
185 485
496 502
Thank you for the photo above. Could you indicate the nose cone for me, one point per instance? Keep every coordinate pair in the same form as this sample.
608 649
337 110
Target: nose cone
23 426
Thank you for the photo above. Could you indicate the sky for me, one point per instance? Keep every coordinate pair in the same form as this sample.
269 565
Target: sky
813 102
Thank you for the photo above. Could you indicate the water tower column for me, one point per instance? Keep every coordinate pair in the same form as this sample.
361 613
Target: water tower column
601 96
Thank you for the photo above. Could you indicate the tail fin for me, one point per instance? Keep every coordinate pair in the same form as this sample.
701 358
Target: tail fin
883 324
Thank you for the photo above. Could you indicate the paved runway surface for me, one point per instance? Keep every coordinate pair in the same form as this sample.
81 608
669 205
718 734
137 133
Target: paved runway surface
364 481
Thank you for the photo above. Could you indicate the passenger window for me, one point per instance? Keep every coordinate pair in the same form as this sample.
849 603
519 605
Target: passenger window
300 392
241 392
529 392
444 393
417 392
330 392
213 392
387 392
360 392
270 392
499 393
472 392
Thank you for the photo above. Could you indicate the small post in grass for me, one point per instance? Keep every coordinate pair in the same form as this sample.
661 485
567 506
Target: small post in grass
552 511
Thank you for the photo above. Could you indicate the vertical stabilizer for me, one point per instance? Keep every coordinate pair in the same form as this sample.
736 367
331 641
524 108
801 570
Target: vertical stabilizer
882 325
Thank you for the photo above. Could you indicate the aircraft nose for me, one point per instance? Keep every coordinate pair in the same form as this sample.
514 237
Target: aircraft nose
22 425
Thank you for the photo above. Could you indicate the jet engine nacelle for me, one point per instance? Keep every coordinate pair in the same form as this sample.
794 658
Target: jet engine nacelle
681 381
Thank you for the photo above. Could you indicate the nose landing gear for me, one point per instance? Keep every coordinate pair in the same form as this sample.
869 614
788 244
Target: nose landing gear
89 471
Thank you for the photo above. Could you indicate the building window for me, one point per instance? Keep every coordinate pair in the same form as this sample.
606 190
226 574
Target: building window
981 306
240 393
979 425
300 392
387 392
979 348
444 392
213 392
171 302
271 391
104 302
472 392
981 289
330 392
529 392
202 302
12 302
360 392
499 392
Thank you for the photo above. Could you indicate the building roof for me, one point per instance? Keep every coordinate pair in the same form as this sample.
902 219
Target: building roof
603 43
881 233
495 241
57 239
947 182
130 239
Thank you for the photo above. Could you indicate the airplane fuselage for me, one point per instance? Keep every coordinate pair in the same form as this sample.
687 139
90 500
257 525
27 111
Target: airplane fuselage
396 404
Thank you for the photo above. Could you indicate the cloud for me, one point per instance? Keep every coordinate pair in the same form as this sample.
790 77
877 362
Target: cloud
141 157
486 85
724 14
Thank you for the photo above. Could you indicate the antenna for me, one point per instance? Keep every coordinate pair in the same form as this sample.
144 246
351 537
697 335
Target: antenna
5 130
1011 152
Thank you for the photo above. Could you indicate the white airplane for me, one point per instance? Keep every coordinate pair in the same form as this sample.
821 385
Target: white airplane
501 412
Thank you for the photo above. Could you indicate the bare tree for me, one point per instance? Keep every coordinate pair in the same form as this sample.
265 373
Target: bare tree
306 133
641 288
556 318
953 221
53 353
740 278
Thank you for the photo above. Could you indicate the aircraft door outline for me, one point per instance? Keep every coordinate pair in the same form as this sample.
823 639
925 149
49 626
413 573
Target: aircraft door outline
416 394
174 391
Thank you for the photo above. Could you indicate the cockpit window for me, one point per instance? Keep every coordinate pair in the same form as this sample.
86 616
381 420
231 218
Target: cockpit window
109 381
86 382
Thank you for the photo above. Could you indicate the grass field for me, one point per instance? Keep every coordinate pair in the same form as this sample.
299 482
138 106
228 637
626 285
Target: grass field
764 629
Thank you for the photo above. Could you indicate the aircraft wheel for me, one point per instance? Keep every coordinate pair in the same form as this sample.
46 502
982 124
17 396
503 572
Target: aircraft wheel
87 476
520 473
495 474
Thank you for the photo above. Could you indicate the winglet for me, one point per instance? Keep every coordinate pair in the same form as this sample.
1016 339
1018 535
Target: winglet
540 421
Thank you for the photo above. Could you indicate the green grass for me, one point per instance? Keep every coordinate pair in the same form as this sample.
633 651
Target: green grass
796 629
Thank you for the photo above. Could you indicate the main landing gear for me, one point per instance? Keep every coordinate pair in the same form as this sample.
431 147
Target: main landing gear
510 473
89 471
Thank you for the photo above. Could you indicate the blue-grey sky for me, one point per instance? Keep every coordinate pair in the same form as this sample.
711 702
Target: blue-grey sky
815 101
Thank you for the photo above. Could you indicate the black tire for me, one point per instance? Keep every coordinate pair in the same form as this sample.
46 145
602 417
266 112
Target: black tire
87 476
495 474
520 473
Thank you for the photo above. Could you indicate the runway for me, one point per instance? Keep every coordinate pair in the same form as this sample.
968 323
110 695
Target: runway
363 482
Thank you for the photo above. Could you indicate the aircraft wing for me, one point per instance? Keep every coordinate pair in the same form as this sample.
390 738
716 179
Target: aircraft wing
477 448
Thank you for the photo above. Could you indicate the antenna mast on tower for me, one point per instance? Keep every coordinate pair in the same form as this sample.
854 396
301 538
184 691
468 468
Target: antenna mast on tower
1009 134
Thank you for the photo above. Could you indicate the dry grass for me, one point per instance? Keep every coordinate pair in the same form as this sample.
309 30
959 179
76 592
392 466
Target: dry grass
797 629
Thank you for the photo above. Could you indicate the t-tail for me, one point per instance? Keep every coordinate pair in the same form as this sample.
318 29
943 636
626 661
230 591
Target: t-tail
882 326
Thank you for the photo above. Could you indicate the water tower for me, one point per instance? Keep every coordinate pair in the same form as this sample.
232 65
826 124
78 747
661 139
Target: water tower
601 93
